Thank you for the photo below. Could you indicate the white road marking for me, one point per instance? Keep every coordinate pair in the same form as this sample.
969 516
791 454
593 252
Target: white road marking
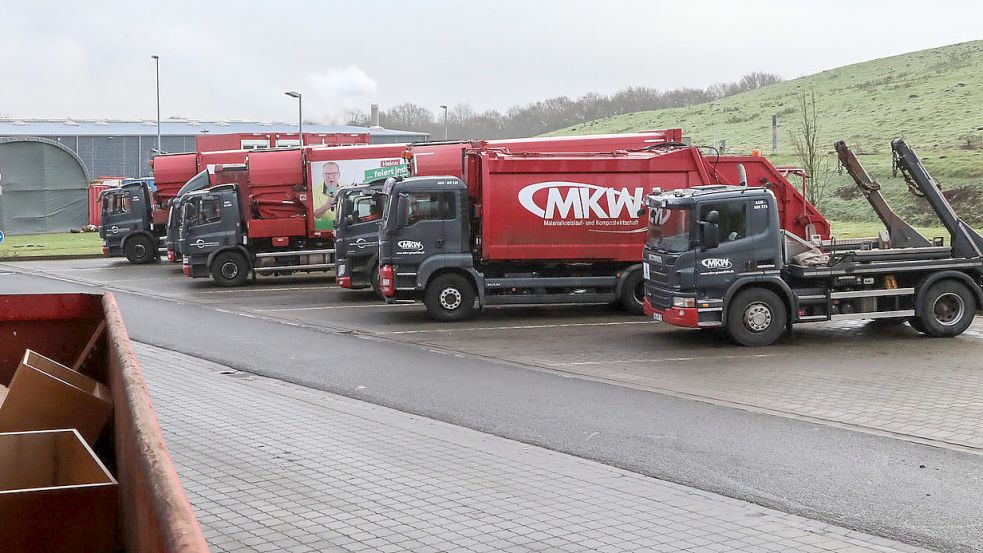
515 327
332 307
263 290
657 359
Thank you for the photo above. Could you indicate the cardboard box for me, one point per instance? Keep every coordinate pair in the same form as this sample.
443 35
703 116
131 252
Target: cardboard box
55 494
45 395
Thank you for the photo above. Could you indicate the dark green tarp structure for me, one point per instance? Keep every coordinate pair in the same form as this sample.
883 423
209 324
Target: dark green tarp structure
43 187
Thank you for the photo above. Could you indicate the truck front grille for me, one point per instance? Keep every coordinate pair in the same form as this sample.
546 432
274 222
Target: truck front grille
658 287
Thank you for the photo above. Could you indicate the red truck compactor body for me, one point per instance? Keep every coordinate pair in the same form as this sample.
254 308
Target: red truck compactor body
549 228
576 207
281 204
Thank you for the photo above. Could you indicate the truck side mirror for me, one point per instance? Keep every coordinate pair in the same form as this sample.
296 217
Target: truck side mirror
710 230
402 211
641 211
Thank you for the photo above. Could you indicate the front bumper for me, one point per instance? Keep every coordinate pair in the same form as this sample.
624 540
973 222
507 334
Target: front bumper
688 317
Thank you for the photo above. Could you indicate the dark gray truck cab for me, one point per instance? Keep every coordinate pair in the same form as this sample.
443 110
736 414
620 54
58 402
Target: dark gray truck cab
211 230
175 252
425 230
127 226
360 210
716 257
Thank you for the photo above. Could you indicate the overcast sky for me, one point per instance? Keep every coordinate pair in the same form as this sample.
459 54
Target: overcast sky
234 59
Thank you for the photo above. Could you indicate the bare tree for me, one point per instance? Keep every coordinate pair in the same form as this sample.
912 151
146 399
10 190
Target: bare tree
554 113
809 152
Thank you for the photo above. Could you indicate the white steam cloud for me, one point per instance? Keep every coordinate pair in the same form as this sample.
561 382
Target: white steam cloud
335 91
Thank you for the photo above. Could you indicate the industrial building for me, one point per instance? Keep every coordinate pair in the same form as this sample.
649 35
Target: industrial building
109 148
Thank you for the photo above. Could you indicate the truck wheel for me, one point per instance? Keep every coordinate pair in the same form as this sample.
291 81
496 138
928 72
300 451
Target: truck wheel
756 317
140 250
374 277
947 309
230 269
449 297
633 293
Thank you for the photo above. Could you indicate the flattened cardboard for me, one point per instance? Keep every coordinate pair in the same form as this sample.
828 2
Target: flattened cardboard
55 494
46 395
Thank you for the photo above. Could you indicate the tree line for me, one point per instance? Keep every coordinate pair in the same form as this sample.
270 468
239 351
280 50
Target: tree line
535 118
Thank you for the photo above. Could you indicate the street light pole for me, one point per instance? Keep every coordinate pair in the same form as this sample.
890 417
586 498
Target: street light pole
445 122
300 115
156 59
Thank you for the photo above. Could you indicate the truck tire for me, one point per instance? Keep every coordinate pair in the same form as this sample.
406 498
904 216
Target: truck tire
916 323
230 269
947 309
449 297
633 293
140 250
374 278
756 317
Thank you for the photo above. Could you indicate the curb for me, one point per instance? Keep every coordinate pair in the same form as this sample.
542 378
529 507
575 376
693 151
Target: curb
50 257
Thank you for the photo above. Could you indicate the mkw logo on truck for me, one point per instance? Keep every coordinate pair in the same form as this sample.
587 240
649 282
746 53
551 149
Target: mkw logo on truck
574 200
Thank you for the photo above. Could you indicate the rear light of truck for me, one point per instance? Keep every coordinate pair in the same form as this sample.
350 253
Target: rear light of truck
386 281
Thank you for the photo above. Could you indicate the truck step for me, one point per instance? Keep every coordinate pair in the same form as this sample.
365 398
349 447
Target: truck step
874 315
548 298
296 252
324 266
807 318
879 292
552 282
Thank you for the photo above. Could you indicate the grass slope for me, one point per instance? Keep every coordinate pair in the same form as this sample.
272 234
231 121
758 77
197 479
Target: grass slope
931 98
64 243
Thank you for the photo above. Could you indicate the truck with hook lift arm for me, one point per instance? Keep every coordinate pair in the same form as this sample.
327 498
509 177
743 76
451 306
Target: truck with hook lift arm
716 257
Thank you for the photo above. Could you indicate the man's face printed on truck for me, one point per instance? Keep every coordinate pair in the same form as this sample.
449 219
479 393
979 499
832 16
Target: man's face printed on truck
331 175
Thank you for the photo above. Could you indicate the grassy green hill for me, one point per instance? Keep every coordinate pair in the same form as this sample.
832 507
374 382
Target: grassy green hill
931 98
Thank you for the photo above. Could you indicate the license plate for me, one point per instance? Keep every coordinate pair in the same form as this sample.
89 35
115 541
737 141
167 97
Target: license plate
657 317
646 271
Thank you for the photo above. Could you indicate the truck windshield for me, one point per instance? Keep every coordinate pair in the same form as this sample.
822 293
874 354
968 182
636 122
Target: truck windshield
197 182
669 229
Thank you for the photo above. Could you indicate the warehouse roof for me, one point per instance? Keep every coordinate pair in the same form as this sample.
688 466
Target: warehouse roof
170 127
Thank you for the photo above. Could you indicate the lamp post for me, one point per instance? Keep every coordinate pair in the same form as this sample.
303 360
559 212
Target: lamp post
300 115
156 59
445 122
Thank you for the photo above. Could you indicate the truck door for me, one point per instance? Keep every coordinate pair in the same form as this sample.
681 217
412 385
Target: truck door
427 215
716 268
211 221
122 213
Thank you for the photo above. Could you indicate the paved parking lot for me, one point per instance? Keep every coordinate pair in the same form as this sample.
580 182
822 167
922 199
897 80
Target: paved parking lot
880 379
287 468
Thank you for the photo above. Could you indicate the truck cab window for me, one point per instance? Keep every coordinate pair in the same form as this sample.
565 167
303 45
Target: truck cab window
733 219
117 204
430 206
211 211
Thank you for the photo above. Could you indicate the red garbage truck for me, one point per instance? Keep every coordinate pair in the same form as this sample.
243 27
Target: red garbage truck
547 228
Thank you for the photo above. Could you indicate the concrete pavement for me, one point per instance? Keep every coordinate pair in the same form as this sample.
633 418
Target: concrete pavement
271 466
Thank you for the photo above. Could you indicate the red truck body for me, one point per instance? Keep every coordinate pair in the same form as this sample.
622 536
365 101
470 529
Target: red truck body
279 197
255 140
584 206
172 171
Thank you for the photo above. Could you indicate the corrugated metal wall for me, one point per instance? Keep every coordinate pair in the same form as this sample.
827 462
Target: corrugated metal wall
122 156
129 156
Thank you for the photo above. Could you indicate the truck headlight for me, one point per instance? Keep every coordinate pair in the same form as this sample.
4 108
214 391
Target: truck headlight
683 302
341 269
